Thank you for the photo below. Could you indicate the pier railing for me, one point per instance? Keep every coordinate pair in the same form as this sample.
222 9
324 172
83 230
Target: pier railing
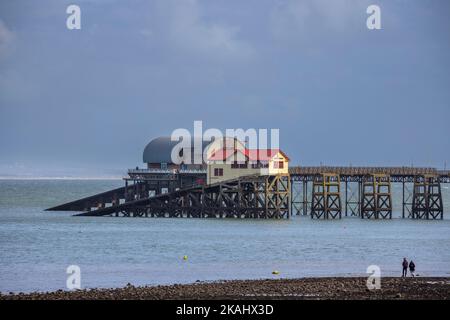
166 171
407 171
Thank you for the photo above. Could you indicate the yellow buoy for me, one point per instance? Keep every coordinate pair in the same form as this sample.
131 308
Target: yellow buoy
275 272
185 258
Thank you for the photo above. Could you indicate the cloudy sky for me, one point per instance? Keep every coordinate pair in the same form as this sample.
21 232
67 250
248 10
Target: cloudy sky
87 101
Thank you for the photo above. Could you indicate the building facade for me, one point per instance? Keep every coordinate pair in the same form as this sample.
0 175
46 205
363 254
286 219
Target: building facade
171 165
226 164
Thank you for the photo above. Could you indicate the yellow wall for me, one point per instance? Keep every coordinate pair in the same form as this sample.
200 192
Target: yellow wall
274 171
229 173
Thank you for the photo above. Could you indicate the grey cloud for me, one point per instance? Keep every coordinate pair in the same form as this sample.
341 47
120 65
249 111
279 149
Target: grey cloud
190 32
6 39
95 97
301 18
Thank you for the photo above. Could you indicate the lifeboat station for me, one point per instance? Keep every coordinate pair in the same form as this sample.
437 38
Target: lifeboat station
232 180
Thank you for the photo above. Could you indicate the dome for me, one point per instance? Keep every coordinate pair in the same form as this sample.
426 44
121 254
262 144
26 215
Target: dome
159 150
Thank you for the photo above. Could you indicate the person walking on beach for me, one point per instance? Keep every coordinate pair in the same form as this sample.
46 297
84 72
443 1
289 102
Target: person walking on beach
405 267
412 268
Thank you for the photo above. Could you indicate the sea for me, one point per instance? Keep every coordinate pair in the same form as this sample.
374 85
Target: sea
38 248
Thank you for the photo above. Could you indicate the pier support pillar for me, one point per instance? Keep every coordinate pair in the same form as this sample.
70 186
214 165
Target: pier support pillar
427 198
305 197
407 197
376 202
296 199
326 197
277 196
346 198
352 198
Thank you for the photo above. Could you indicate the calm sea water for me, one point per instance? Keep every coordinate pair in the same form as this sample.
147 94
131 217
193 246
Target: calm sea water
36 246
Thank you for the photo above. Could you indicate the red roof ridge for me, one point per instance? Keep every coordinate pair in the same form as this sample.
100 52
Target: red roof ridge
224 153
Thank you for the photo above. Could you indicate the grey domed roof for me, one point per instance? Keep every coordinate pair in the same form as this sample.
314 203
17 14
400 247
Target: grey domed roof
159 150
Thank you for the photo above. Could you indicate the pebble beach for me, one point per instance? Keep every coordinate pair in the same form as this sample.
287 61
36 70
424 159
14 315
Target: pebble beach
292 289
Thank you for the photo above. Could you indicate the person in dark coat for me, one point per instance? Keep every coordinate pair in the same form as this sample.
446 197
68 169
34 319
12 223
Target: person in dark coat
412 268
405 267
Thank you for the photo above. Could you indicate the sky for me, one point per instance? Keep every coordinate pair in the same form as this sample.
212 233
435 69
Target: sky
86 102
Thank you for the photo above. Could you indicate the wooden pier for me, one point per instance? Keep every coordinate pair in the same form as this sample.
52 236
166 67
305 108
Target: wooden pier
261 197
367 192
319 192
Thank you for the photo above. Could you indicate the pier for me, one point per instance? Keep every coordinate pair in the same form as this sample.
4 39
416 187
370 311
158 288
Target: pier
234 181
367 192
318 192
261 197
